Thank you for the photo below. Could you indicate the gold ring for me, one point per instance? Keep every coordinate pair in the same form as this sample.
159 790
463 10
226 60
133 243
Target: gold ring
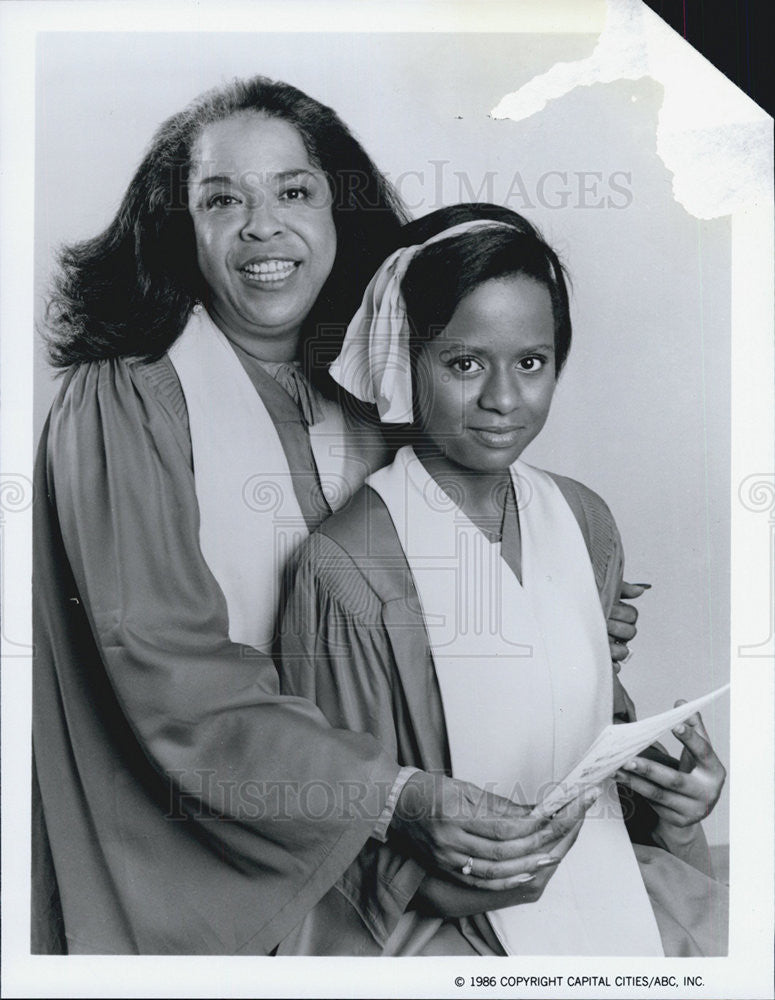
468 867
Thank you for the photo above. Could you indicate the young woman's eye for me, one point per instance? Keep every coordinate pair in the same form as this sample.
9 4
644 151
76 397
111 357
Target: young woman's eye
532 364
466 365
222 201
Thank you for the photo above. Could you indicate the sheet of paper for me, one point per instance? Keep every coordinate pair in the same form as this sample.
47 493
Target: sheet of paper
615 746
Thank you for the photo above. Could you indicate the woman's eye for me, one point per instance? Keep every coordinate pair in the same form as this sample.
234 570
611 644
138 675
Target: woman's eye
222 201
295 194
532 364
466 365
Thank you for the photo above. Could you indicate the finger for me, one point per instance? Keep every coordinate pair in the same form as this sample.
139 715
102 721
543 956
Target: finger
543 838
485 870
621 630
686 762
697 746
623 613
696 721
513 821
497 885
470 868
541 866
692 804
533 884
619 652
631 590
564 845
474 803
527 882
497 829
659 774
541 841
574 809
691 720
663 798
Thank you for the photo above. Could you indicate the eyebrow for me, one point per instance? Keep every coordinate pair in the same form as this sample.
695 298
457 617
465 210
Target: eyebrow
216 179
281 175
466 345
540 347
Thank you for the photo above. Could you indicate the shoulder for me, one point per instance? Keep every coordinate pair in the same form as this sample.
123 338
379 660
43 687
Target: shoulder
585 498
600 532
362 526
355 554
125 397
585 504
162 380
92 381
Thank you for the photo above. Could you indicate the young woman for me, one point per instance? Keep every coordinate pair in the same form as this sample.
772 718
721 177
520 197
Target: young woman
456 610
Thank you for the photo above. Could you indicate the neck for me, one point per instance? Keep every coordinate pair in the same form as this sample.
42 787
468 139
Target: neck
282 347
480 495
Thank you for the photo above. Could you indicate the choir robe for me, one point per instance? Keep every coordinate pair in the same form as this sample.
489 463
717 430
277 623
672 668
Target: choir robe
174 786
354 641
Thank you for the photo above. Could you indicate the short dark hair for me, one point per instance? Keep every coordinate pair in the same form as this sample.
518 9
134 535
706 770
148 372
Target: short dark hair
443 273
130 290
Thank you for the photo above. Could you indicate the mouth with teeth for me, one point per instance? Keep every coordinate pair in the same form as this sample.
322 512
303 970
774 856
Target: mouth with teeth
268 272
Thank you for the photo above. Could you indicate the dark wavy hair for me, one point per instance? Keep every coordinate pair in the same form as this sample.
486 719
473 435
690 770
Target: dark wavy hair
129 291
442 274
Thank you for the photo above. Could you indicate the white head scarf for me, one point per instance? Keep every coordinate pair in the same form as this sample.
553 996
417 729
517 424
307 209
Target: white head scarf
374 364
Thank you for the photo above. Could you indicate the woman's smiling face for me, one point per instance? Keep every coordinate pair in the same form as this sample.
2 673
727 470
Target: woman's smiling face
485 383
265 235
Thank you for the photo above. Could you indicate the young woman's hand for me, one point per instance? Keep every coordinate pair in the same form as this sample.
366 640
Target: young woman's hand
682 797
621 623
479 839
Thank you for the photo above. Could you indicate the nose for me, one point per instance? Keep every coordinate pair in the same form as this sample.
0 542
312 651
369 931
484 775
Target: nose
500 393
262 221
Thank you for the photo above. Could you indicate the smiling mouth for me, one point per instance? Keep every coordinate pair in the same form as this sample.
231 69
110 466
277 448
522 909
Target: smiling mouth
268 272
498 438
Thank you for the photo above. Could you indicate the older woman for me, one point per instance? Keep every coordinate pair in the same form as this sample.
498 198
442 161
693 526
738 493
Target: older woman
182 804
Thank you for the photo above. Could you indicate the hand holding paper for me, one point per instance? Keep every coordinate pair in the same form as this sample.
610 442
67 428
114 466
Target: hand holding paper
680 797
617 745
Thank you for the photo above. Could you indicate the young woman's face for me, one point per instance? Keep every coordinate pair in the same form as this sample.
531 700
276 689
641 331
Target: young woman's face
265 233
485 383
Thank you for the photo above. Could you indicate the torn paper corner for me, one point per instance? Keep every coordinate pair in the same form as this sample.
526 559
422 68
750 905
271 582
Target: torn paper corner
713 138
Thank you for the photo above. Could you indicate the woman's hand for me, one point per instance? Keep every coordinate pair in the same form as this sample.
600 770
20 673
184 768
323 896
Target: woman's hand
454 825
682 797
621 624
439 896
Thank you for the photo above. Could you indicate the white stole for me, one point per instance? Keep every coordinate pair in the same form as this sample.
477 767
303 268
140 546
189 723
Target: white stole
526 684
249 518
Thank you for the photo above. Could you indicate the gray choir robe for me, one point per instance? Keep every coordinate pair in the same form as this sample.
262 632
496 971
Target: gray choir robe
169 809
